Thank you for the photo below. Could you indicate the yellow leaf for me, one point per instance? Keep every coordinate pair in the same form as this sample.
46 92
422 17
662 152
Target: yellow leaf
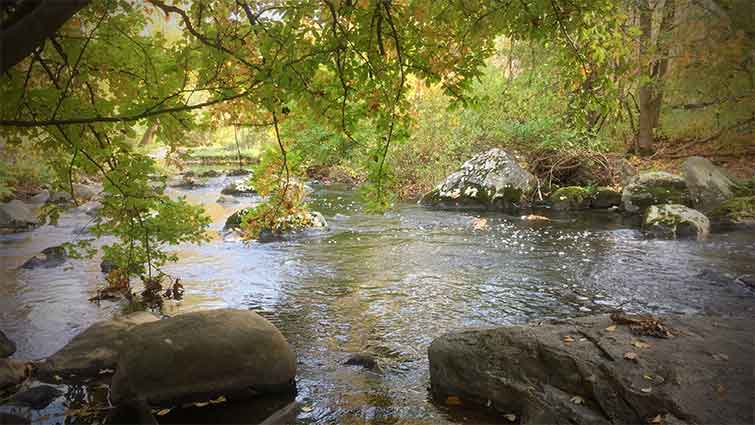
453 400
611 328
640 344
220 399
163 412
510 417
307 409
630 355
577 400
657 420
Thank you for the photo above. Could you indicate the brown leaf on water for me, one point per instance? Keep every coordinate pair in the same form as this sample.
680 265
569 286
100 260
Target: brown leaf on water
611 328
453 400
640 344
510 417
631 356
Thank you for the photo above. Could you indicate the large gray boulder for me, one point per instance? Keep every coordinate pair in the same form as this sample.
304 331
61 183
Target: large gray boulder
202 355
596 371
673 221
709 185
53 256
654 188
490 180
15 216
94 350
7 346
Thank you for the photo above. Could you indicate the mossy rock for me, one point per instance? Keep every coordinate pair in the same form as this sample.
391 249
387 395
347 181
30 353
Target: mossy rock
674 221
735 212
605 197
654 188
570 198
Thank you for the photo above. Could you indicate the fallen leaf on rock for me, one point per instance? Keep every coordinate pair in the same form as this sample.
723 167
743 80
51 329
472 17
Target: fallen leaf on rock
510 417
577 400
611 328
647 390
640 344
568 339
658 419
453 400
631 355
307 409
721 357
162 412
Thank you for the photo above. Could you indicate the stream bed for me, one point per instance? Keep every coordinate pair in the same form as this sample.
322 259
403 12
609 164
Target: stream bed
388 284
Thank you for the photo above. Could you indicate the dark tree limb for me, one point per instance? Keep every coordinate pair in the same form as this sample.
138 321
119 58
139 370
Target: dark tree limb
32 23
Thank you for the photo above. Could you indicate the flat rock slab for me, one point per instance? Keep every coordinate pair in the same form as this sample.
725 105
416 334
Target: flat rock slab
202 355
594 371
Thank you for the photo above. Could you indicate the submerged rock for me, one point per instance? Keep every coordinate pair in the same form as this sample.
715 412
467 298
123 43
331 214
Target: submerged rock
202 355
673 221
97 348
53 256
570 198
580 371
654 188
15 216
490 180
709 185
187 182
366 360
227 200
210 173
238 172
7 346
736 212
605 197
36 398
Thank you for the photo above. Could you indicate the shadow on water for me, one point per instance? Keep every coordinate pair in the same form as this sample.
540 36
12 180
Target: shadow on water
388 285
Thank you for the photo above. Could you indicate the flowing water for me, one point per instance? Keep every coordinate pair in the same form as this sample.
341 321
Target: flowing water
388 284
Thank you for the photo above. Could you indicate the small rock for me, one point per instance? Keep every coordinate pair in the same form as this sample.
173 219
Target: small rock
187 182
227 200
238 189
53 256
40 198
365 360
238 172
107 266
37 397
210 173
605 197
654 188
7 347
60 198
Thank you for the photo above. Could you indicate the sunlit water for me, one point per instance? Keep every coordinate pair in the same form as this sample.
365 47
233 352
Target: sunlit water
389 284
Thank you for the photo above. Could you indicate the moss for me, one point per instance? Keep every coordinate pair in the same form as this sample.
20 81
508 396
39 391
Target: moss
735 209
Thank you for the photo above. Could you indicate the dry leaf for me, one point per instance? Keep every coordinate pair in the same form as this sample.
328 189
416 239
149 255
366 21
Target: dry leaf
510 417
631 355
611 328
202 403
163 412
721 357
647 390
568 339
577 400
453 400
640 344
648 377
307 409
106 371
220 399
657 420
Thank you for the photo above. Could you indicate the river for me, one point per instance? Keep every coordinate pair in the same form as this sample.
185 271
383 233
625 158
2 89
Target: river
388 284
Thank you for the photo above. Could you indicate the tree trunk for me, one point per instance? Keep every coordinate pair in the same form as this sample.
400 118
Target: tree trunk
645 91
149 135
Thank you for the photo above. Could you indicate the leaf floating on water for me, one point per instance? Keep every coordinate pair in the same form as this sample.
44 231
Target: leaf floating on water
106 371
163 412
721 357
218 400
631 356
202 403
510 417
647 390
640 344
611 328
453 400
568 339
307 409
57 378
577 400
